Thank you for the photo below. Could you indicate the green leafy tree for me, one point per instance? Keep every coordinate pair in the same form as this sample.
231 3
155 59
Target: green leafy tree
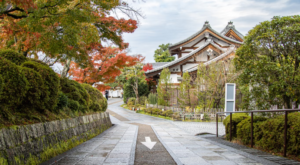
135 75
164 87
269 62
184 90
162 54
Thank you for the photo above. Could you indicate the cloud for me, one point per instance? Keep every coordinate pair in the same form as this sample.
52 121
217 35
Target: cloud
170 21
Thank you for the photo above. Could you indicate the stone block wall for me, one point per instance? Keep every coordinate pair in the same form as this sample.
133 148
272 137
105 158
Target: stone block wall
35 143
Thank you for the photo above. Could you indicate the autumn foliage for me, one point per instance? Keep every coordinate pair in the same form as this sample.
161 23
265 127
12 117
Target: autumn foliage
150 81
104 66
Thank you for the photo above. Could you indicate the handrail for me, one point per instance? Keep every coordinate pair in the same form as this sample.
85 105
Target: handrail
257 111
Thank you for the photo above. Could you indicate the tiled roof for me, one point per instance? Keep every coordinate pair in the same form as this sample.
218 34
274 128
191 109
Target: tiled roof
205 26
183 58
232 27
158 64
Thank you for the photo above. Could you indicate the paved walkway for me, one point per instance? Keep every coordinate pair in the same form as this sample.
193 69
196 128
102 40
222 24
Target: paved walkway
126 143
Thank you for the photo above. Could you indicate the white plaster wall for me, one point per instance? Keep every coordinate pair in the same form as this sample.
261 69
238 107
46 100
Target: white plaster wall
174 78
200 44
188 66
176 69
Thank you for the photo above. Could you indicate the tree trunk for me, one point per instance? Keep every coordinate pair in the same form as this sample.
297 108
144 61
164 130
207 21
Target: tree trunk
287 101
66 68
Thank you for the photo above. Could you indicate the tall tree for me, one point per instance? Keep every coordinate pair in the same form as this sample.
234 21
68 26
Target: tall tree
135 75
269 61
164 87
162 54
105 65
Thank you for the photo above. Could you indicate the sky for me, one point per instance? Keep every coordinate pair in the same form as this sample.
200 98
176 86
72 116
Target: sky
170 21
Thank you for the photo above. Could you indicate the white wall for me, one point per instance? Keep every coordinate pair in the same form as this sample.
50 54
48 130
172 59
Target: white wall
174 78
176 69
200 44
184 54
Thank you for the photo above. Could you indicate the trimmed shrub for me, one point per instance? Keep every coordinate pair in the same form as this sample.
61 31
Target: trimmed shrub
168 113
37 94
97 100
236 119
51 81
15 84
206 117
142 100
73 105
62 101
76 92
131 101
152 98
13 56
244 128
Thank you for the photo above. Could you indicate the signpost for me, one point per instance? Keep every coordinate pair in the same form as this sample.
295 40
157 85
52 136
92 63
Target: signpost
229 98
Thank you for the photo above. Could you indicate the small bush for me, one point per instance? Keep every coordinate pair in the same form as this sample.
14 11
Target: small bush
37 94
15 84
167 113
236 119
51 81
73 105
13 56
142 100
206 117
62 101
176 116
97 101
152 98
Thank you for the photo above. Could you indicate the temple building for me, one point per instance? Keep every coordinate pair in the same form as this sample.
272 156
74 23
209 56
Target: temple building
205 46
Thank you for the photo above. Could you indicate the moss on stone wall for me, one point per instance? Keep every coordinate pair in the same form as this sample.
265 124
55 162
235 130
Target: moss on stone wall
46 140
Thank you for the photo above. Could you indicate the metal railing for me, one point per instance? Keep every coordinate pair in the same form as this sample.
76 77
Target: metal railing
259 111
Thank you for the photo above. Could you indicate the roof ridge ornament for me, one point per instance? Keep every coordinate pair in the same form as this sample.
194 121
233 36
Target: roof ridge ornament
206 24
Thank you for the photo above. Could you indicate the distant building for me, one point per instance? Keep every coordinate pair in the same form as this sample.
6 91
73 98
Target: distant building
205 46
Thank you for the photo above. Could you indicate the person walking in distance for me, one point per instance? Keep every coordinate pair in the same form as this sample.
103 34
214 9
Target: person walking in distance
106 94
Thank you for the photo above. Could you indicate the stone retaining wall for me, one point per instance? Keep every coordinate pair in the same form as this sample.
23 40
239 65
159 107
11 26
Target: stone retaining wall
33 144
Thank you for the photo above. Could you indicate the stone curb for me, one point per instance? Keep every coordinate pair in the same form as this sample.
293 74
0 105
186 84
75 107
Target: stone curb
133 147
167 148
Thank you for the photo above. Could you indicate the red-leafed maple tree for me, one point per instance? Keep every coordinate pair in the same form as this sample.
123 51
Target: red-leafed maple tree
150 81
105 65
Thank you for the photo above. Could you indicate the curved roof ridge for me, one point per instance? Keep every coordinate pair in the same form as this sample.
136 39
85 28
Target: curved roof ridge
206 26
183 58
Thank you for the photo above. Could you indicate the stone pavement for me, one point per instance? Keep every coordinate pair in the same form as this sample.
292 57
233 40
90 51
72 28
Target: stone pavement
118 145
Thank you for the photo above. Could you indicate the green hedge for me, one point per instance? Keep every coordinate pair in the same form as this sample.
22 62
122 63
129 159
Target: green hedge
37 94
244 128
74 91
236 119
13 56
97 101
15 84
51 81
62 101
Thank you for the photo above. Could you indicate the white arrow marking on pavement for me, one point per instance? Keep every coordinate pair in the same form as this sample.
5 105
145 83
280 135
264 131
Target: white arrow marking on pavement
148 143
